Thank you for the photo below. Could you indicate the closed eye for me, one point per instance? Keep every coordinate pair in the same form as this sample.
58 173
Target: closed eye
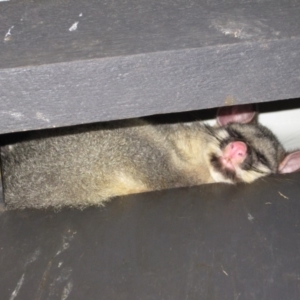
262 159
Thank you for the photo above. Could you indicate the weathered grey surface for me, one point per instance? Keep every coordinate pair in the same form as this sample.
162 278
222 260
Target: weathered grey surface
133 58
208 242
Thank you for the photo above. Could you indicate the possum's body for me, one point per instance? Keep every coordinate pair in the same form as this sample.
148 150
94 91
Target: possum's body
90 167
91 164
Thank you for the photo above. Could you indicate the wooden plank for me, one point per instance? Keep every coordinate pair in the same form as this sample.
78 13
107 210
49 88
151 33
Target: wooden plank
207 242
72 62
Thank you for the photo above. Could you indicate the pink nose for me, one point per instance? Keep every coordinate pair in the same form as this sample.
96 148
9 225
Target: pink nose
237 149
234 154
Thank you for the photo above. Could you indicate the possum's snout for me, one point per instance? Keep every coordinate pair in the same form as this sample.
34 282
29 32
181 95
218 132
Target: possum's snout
234 155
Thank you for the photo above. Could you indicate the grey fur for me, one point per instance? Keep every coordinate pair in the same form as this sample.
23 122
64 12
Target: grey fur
89 165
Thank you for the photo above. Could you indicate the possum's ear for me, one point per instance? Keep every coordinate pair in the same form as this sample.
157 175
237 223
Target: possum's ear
291 163
236 114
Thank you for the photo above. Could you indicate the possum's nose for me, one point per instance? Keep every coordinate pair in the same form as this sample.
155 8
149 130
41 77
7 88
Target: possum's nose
237 150
234 154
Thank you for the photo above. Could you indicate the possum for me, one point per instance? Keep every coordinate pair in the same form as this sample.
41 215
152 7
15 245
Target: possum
91 164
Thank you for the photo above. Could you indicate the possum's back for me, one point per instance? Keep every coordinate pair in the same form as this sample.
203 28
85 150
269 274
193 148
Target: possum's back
86 166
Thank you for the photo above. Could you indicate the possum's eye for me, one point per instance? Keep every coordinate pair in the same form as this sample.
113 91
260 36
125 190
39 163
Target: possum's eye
261 158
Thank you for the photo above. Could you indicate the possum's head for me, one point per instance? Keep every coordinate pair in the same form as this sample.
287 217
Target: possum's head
247 150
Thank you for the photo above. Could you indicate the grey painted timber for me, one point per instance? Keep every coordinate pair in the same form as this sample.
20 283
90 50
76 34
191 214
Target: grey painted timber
71 62
212 242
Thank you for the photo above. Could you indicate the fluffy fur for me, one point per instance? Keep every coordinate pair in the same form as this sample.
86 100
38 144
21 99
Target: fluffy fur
88 165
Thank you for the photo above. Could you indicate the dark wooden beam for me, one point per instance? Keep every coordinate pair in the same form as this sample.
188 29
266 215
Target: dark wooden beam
72 62
208 242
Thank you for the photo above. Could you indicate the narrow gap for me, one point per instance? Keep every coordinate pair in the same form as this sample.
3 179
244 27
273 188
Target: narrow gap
282 117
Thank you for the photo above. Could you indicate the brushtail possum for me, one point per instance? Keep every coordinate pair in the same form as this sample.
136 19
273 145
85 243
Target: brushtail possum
88 165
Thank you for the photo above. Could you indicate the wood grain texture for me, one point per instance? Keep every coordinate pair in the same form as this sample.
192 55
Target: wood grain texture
72 62
208 242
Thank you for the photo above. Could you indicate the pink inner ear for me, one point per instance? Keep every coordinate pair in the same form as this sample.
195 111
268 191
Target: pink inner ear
238 114
291 163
